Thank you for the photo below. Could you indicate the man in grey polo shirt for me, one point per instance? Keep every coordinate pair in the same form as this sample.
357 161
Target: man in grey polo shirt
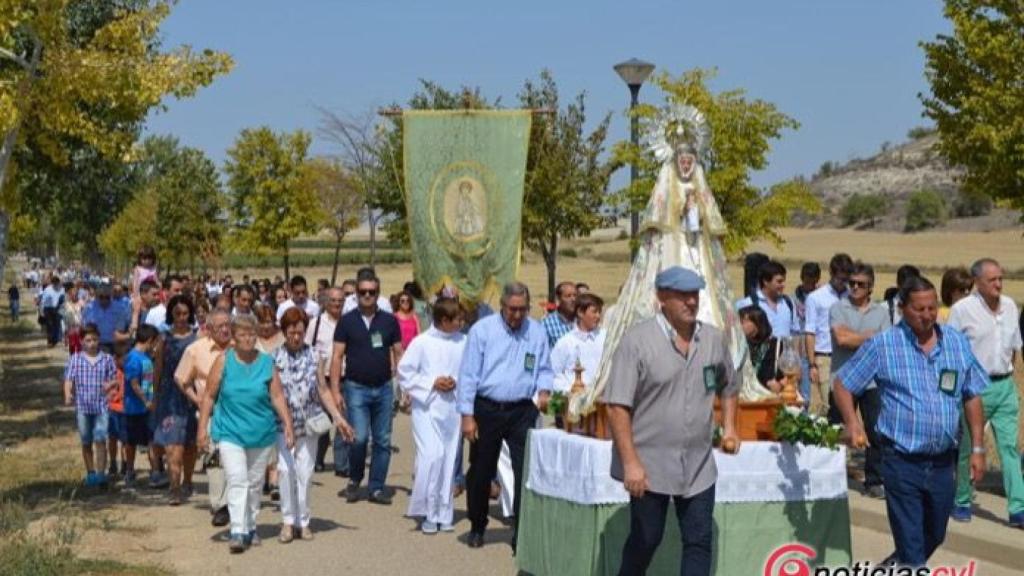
853 320
665 374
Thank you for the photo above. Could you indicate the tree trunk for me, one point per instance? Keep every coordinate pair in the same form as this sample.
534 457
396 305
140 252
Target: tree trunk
10 139
5 221
373 236
337 254
287 271
551 262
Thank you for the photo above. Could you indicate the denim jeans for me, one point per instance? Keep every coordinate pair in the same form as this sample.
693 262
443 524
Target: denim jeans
805 382
370 410
919 492
92 428
647 525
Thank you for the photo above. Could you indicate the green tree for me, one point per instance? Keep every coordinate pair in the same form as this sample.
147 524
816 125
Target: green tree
971 204
741 135
360 148
179 188
269 202
565 178
925 209
341 200
77 78
977 96
132 228
859 208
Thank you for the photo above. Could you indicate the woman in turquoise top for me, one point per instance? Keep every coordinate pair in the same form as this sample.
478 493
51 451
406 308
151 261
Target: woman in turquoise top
243 391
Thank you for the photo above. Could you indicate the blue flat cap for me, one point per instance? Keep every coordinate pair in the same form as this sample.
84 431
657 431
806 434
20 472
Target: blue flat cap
679 279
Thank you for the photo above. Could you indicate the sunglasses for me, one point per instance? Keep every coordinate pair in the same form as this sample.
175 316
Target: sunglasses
367 292
858 284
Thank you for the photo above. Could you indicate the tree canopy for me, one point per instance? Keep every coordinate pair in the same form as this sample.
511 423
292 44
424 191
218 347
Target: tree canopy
77 78
177 207
977 95
566 178
341 199
269 200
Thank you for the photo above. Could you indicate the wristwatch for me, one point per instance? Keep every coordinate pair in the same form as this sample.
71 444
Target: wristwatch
977 450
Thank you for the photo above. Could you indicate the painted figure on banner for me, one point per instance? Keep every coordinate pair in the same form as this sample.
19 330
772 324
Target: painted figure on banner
681 226
468 220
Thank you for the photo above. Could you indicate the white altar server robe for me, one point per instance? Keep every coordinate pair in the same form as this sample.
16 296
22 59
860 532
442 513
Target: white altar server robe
436 424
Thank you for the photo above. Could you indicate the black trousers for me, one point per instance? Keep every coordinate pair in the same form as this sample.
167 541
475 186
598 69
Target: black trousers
647 525
496 422
52 316
870 405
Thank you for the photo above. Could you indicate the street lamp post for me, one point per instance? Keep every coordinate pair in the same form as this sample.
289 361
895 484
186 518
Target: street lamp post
634 72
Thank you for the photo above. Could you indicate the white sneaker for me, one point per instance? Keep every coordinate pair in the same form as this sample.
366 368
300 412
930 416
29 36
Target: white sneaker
428 527
447 528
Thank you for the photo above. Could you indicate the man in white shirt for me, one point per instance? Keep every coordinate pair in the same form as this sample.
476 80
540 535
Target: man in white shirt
989 320
771 298
320 335
818 332
157 316
300 298
50 301
583 344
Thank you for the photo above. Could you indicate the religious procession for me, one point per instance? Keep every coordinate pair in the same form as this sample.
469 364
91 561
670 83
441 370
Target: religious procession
493 349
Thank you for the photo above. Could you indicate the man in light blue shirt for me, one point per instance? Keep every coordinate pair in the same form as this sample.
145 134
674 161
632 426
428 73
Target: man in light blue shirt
506 361
50 301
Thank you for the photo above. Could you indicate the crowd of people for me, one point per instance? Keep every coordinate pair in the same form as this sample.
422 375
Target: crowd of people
248 380
914 377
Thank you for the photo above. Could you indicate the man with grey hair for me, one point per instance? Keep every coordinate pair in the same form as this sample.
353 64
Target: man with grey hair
320 335
989 320
506 361
190 376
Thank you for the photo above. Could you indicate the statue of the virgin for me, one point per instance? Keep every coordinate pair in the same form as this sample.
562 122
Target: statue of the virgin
681 226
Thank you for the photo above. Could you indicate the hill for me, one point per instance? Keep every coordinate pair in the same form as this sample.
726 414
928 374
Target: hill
897 172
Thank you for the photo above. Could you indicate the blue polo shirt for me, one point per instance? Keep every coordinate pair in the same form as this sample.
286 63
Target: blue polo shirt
368 349
115 317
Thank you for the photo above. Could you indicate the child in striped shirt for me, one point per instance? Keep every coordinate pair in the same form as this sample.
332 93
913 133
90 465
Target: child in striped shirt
88 377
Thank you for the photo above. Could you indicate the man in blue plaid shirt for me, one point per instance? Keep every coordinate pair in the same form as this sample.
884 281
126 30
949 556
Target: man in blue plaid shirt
925 372
562 320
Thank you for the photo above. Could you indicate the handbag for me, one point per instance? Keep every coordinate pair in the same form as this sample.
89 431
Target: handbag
319 425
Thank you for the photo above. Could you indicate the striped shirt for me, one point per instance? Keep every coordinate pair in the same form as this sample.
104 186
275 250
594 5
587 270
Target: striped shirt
88 379
917 416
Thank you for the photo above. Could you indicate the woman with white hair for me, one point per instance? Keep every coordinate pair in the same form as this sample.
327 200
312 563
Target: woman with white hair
243 392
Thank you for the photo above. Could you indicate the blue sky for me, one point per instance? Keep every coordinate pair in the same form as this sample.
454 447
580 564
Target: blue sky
848 71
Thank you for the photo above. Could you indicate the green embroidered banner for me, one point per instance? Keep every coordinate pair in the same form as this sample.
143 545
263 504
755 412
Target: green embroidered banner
464 173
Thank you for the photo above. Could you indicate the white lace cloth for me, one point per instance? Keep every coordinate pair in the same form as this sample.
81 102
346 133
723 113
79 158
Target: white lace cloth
576 468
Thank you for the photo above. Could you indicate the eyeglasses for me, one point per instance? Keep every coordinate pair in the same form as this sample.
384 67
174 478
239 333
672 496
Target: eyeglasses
518 309
858 284
367 292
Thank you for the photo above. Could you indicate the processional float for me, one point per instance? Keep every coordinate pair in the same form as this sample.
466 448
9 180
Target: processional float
682 226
